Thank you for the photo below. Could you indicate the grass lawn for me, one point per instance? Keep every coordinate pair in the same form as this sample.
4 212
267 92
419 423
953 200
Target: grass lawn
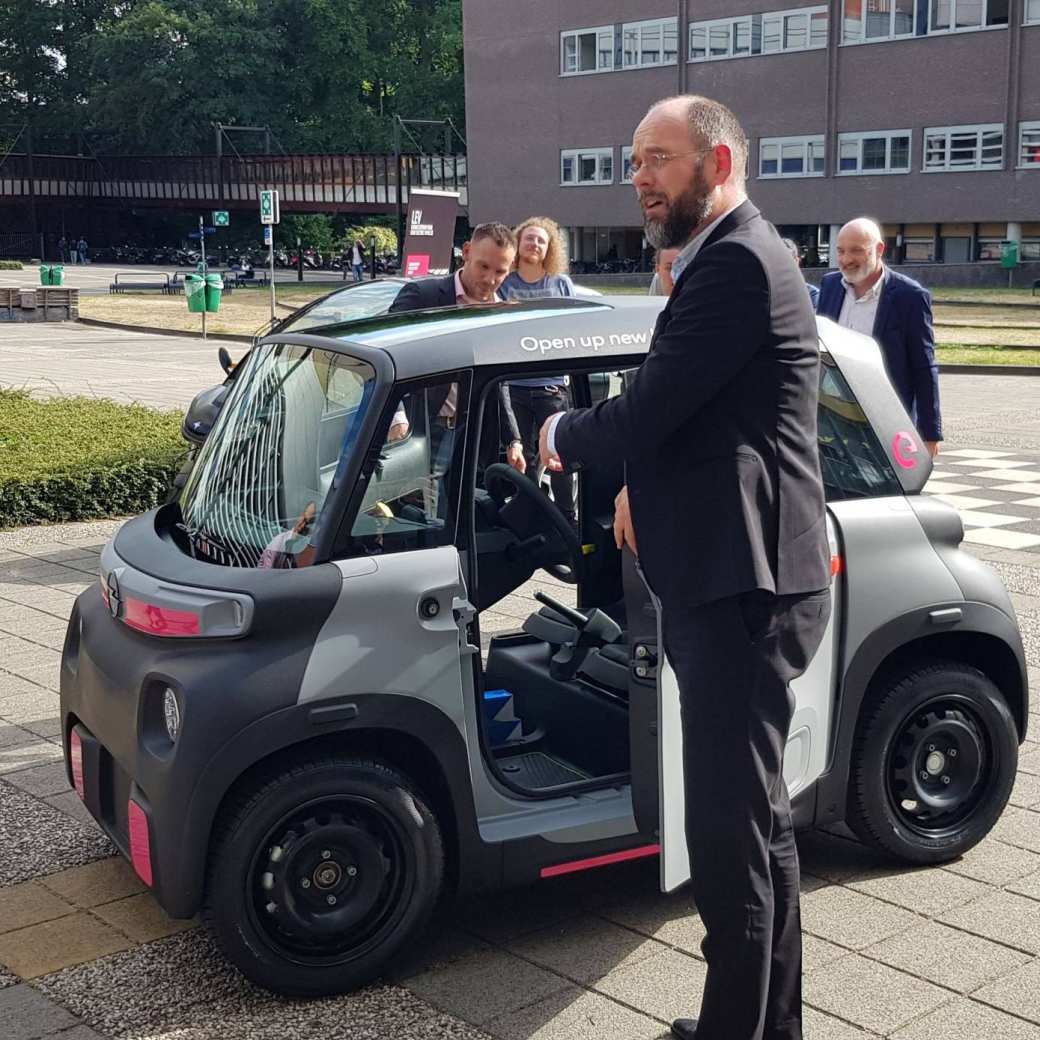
987 295
967 354
243 312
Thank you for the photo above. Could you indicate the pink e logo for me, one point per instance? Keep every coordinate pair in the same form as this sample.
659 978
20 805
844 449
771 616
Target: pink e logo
904 445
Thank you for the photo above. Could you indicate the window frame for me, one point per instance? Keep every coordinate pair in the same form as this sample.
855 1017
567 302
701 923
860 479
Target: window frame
921 15
806 141
979 129
1035 6
749 21
626 158
595 31
576 155
859 137
1028 126
649 23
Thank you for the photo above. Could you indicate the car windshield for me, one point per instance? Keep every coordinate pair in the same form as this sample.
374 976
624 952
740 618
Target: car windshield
255 496
365 300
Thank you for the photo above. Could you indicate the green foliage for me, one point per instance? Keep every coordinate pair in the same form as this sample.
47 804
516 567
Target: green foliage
314 230
10 265
152 76
82 459
386 238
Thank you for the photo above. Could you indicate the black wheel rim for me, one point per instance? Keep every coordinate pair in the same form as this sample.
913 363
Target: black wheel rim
330 881
939 767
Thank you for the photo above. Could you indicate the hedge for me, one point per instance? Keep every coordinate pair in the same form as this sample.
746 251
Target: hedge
77 458
10 265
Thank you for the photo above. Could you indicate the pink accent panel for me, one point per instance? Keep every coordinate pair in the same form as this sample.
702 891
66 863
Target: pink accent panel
140 842
600 861
160 621
76 761
903 445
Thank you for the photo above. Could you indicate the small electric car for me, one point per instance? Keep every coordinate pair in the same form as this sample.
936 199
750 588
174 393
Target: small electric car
291 701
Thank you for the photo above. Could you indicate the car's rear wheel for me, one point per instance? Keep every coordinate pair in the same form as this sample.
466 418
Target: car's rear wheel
321 873
933 763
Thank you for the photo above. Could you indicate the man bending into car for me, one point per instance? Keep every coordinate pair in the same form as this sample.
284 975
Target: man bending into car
718 433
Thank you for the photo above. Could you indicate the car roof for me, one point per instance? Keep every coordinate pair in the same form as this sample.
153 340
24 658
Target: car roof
549 331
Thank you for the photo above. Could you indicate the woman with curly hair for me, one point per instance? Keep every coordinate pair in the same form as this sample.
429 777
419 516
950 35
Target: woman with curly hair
541 259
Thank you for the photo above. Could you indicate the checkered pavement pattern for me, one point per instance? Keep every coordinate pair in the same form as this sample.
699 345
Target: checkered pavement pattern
997 494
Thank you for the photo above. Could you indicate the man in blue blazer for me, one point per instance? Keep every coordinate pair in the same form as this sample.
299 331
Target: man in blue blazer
896 311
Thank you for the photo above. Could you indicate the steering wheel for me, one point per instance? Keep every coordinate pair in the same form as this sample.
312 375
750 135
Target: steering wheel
499 477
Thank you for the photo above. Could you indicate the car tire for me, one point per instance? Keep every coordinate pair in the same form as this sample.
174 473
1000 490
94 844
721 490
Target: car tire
933 763
320 873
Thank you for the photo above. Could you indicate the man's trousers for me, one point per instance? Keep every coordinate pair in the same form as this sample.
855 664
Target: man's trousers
734 660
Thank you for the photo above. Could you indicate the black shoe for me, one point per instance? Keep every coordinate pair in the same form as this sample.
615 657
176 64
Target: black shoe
685 1028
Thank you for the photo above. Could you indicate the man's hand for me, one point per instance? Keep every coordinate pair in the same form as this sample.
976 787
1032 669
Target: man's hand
398 432
515 457
624 532
933 447
550 460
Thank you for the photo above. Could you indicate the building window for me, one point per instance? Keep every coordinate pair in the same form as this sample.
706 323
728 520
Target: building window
646 44
626 163
988 248
882 151
866 21
1029 146
1029 249
1032 11
587 50
799 30
587 166
919 251
791 156
951 149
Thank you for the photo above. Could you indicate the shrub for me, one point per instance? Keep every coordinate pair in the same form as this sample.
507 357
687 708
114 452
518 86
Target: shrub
76 458
10 265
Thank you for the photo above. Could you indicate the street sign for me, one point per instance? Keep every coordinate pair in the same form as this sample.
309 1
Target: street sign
269 207
221 218
202 231
268 234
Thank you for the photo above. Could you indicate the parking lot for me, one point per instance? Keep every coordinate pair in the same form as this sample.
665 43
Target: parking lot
913 954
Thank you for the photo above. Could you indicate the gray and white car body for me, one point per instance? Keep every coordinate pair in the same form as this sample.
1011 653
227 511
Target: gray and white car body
292 703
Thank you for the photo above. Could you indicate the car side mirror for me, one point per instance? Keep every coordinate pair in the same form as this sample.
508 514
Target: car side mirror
225 360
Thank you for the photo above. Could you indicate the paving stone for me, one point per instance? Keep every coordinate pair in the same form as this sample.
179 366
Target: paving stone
44 948
38 839
40 780
670 918
585 948
1019 827
15 686
968 1020
438 947
818 1026
485 986
1004 917
28 1015
29 903
12 735
49 729
818 953
1027 886
667 986
851 919
1026 792
516 913
947 957
1017 992
24 756
69 804
995 863
928 892
92 884
838 859
141 918
871 995
574 1014
1029 760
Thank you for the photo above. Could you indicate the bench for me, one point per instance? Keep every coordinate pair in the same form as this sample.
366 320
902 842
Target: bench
239 280
147 281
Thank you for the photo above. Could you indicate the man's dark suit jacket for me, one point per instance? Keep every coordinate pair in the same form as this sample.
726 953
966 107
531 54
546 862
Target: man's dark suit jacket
903 330
718 427
424 293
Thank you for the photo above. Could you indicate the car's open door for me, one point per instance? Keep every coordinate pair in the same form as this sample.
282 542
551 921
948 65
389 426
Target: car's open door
655 732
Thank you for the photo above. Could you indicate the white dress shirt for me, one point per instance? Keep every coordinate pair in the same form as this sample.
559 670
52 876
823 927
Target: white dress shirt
858 313
679 264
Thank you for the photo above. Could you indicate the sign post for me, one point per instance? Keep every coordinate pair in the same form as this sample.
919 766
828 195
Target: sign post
205 270
269 215
429 232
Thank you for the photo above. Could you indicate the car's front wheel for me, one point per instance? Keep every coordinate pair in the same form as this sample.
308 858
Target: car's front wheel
933 762
321 873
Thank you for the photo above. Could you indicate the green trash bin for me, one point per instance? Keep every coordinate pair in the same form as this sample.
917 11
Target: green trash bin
195 293
57 274
45 275
214 287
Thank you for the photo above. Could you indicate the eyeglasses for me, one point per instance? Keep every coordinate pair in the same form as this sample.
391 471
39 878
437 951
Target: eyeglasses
656 160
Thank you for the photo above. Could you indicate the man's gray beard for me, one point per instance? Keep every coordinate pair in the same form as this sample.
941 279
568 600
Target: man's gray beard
690 210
